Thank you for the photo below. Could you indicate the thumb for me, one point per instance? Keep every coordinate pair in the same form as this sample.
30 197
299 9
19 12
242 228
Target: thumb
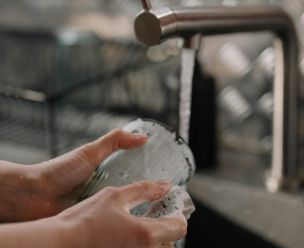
77 166
111 142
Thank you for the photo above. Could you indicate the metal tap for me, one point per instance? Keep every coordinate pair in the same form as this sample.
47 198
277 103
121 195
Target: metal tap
153 26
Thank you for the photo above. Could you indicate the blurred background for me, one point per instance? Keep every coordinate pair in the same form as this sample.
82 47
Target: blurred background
70 71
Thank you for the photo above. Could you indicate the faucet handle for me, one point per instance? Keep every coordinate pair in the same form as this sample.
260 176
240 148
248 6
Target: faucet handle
146 4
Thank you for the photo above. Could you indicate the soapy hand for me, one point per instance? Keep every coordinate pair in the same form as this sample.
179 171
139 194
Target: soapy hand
45 189
104 220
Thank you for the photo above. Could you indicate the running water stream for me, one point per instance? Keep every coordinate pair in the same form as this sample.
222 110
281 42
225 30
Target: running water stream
186 77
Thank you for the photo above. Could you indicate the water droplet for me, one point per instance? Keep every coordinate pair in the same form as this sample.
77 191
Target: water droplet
123 175
248 212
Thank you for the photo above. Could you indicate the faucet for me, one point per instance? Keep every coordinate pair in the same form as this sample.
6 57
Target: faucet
153 26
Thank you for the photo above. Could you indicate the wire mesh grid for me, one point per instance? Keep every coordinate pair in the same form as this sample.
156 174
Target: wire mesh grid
111 102
56 94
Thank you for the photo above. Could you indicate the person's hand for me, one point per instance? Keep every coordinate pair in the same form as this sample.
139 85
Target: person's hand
104 220
45 189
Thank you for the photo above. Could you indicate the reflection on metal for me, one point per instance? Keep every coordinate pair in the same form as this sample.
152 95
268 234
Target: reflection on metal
154 26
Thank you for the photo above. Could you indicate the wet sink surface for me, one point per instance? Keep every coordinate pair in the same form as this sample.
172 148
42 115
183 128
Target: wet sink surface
236 214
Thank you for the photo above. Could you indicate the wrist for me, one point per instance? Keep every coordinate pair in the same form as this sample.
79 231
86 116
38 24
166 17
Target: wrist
47 233
16 183
69 231
55 232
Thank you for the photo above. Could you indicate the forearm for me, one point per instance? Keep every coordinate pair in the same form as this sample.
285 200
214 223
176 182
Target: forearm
16 185
47 233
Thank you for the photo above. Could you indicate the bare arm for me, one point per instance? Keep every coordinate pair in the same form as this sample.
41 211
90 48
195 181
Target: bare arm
102 221
43 233
15 190
45 189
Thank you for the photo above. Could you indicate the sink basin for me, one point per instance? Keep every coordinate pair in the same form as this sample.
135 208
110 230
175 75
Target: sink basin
231 214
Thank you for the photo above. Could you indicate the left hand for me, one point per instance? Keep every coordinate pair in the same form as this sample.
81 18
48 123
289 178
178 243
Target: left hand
104 219
45 189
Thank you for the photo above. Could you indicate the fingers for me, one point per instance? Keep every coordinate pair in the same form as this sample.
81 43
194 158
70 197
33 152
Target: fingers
117 139
137 193
78 165
116 202
167 229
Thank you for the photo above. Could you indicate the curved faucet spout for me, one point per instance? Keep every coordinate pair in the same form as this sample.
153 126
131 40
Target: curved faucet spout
156 25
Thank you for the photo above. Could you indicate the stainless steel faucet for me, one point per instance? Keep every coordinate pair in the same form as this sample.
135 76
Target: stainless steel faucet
153 26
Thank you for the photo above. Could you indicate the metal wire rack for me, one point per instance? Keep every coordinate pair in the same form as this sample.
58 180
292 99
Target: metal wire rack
56 94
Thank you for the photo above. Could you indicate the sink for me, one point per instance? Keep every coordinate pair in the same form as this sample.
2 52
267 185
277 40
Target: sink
233 214
209 229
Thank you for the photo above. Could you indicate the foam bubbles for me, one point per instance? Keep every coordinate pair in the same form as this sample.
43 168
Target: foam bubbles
176 201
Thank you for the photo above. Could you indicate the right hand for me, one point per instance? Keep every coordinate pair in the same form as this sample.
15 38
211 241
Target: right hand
104 220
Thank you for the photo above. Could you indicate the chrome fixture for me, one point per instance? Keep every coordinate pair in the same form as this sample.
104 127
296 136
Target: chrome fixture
153 26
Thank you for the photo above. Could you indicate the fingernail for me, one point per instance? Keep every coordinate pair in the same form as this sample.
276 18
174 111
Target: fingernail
164 183
140 136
